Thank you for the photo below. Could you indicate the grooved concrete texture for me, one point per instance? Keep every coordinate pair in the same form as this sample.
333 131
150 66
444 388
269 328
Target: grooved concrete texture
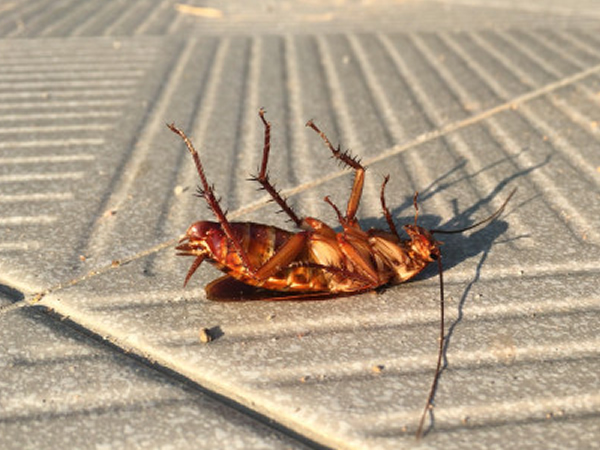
460 100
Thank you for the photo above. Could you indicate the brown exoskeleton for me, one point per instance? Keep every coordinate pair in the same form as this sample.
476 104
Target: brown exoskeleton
316 262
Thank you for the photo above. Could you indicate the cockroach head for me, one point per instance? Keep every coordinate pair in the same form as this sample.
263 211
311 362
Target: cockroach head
196 234
422 242
198 230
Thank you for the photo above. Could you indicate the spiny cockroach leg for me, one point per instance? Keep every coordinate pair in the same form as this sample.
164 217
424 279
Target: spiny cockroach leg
263 175
386 211
359 173
207 191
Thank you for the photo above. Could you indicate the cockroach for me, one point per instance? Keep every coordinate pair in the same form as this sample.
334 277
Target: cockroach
315 262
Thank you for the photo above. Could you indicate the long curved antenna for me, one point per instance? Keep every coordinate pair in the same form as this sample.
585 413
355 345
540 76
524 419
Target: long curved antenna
438 368
481 222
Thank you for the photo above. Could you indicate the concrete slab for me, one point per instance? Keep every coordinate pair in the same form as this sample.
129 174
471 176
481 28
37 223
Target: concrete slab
463 102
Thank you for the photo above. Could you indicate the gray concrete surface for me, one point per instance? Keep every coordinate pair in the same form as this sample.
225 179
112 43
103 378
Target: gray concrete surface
461 100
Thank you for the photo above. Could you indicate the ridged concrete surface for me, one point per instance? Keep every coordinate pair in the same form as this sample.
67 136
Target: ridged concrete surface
462 101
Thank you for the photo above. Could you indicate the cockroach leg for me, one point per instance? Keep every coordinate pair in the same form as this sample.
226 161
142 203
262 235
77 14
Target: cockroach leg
284 256
416 205
364 266
359 173
341 218
193 268
386 211
263 175
207 191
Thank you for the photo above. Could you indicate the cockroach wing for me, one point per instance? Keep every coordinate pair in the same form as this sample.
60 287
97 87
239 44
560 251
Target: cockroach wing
228 288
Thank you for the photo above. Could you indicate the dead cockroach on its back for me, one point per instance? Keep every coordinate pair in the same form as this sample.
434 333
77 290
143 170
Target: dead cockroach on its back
315 262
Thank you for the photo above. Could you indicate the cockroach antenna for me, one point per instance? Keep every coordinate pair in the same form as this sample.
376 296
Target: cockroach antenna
442 337
481 222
